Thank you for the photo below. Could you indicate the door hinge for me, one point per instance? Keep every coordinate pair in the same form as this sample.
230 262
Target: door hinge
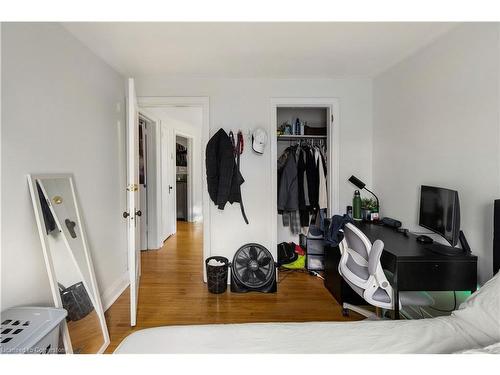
132 187
332 118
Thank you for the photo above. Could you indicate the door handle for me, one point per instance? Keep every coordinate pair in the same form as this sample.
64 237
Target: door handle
125 214
169 188
139 213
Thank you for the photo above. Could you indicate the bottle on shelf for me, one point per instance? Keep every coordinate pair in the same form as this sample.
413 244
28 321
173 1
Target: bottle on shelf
356 206
297 127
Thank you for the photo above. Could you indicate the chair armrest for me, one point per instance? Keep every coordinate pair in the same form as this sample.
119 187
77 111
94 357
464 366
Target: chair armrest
374 257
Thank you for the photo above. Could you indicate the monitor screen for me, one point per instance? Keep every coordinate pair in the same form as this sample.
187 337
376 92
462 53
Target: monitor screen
440 212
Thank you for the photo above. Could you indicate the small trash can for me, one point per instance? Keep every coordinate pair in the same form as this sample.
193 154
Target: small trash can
217 268
30 330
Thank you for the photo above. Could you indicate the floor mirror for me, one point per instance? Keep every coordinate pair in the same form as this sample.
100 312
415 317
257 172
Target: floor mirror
69 263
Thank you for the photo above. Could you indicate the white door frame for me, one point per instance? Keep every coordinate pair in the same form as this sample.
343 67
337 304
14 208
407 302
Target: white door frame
333 133
190 190
202 102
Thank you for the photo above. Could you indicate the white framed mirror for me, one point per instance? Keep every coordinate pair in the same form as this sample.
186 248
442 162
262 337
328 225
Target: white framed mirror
69 263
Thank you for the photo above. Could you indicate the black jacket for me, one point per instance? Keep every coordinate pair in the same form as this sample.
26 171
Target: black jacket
334 235
288 196
223 177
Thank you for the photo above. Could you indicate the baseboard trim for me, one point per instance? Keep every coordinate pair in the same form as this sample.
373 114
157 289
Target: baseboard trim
114 291
197 219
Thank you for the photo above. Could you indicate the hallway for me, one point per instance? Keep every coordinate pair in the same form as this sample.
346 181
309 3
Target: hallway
172 292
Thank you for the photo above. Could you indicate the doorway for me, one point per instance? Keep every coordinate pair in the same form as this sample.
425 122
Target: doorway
180 124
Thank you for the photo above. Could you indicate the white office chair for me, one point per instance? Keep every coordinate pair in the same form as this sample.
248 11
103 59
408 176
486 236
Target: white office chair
361 269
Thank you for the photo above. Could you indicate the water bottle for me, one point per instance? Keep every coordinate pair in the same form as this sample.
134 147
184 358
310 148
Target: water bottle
356 206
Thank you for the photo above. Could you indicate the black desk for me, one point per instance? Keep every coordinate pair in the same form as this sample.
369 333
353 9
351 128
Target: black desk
416 268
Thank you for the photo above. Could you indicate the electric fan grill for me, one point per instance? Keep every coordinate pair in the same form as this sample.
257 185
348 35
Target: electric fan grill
253 269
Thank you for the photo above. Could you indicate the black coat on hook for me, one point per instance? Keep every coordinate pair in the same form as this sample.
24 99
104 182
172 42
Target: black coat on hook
223 177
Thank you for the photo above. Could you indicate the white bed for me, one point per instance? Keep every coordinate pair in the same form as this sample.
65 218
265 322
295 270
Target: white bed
476 324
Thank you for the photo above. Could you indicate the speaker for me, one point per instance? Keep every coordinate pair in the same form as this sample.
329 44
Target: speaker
393 223
496 237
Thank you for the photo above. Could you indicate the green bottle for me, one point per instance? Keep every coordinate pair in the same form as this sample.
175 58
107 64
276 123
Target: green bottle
356 206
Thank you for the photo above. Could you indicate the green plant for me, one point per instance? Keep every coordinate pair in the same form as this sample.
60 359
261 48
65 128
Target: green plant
368 204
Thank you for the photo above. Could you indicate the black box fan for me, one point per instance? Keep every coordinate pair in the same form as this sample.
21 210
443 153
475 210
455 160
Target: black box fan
253 270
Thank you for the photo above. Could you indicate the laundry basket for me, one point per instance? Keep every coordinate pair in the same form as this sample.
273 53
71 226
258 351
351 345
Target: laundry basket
30 330
217 269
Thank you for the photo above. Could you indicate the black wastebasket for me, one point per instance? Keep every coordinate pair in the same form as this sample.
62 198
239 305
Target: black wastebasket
217 275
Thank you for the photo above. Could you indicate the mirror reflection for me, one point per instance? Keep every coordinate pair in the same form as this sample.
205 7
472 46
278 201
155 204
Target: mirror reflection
73 279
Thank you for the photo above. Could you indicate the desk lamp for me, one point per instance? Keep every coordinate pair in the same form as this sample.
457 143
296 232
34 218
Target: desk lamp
361 185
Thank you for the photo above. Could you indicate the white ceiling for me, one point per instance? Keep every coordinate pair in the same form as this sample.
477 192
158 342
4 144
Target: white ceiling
256 50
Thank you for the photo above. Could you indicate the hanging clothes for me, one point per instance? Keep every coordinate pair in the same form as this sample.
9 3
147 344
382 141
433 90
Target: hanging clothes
292 219
322 188
302 186
302 182
312 178
288 194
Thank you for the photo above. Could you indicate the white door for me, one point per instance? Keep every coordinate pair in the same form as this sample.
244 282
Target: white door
133 199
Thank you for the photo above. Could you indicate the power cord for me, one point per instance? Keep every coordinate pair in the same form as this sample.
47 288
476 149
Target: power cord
314 273
288 272
448 311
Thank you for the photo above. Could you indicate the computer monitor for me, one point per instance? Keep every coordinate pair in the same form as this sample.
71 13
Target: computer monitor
440 212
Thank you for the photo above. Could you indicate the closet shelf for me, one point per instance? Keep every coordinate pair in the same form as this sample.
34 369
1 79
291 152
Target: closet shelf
292 137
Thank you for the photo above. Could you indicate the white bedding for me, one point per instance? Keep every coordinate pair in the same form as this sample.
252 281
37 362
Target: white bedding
475 324
440 335
490 349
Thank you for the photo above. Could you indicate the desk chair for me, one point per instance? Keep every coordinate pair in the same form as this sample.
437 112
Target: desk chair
361 269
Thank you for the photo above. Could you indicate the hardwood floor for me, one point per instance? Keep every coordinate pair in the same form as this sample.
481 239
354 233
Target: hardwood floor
172 292
86 334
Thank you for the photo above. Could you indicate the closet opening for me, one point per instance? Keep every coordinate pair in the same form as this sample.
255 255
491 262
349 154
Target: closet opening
306 166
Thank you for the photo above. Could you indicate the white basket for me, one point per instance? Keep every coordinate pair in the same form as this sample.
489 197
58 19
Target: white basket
30 330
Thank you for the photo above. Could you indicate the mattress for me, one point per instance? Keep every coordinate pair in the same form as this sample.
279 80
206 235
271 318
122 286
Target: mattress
439 335
476 324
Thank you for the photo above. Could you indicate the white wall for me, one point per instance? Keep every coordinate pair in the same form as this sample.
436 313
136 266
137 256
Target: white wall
245 104
59 114
436 122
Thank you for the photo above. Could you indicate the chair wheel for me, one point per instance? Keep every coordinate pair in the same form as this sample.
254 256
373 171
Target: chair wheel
345 312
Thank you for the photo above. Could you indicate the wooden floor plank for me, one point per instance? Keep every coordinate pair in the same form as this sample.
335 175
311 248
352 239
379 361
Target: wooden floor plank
172 292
